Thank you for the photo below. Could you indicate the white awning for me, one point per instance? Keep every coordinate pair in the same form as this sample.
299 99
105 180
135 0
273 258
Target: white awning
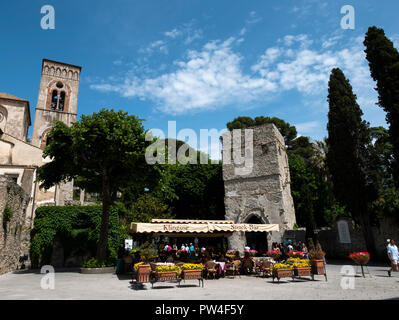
208 227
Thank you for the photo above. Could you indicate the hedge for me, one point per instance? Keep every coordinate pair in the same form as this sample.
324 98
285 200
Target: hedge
77 227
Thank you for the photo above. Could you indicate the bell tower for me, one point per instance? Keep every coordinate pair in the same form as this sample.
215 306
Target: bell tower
57 101
58 98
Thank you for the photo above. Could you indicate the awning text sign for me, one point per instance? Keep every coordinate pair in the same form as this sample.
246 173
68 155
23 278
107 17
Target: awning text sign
201 228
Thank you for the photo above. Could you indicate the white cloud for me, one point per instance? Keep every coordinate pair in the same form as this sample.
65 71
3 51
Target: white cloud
307 128
253 18
207 79
173 33
193 35
331 41
155 45
213 78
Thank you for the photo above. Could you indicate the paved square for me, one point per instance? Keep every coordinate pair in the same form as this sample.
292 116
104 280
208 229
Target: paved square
73 285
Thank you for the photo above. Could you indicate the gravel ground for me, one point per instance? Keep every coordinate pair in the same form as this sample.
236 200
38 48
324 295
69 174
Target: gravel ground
75 286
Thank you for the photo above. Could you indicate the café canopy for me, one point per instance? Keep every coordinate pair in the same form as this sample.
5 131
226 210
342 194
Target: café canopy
208 228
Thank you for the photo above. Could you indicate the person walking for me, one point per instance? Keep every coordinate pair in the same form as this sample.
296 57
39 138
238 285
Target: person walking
392 251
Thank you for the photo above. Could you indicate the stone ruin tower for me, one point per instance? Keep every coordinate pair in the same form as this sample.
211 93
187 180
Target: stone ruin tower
57 101
262 195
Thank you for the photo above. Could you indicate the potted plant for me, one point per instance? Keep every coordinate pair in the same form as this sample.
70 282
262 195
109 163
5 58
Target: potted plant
316 256
94 266
191 271
300 267
252 253
166 273
142 271
281 270
296 254
274 254
361 258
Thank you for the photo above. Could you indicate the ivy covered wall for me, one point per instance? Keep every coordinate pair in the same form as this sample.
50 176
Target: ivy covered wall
70 235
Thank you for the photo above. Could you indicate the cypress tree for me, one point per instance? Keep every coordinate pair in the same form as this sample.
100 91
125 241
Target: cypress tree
383 60
348 153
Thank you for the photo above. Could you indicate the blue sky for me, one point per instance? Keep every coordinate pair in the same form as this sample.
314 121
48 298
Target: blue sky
197 62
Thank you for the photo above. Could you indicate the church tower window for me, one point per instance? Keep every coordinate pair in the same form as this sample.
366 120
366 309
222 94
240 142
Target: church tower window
61 102
54 100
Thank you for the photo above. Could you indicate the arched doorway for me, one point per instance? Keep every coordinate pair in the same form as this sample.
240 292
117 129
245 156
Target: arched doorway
256 240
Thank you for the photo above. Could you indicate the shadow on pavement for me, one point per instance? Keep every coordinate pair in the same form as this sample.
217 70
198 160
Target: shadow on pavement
124 276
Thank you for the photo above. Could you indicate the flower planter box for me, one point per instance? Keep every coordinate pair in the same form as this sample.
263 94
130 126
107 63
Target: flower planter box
281 273
191 274
166 276
143 273
317 266
299 272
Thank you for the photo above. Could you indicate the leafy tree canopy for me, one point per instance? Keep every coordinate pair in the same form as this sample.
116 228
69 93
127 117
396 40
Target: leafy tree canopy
103 152
288 132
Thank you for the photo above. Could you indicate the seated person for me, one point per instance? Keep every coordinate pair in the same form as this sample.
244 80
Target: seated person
237 256
221 258
169 258
247 264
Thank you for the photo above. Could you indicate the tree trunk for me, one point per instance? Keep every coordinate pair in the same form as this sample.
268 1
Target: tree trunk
103 240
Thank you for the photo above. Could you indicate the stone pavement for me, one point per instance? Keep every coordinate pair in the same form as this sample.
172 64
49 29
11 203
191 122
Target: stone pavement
73 285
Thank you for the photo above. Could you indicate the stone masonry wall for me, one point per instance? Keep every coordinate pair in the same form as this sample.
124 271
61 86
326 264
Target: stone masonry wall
330 241
265 191
15 234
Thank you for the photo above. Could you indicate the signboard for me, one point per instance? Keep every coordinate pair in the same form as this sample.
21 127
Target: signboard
129 244
343 231
201 228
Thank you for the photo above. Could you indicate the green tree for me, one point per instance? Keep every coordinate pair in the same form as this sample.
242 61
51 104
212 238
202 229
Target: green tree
287 131
146 208
187 190
304 190
387 203
348 156
383 60
103 152
199 190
